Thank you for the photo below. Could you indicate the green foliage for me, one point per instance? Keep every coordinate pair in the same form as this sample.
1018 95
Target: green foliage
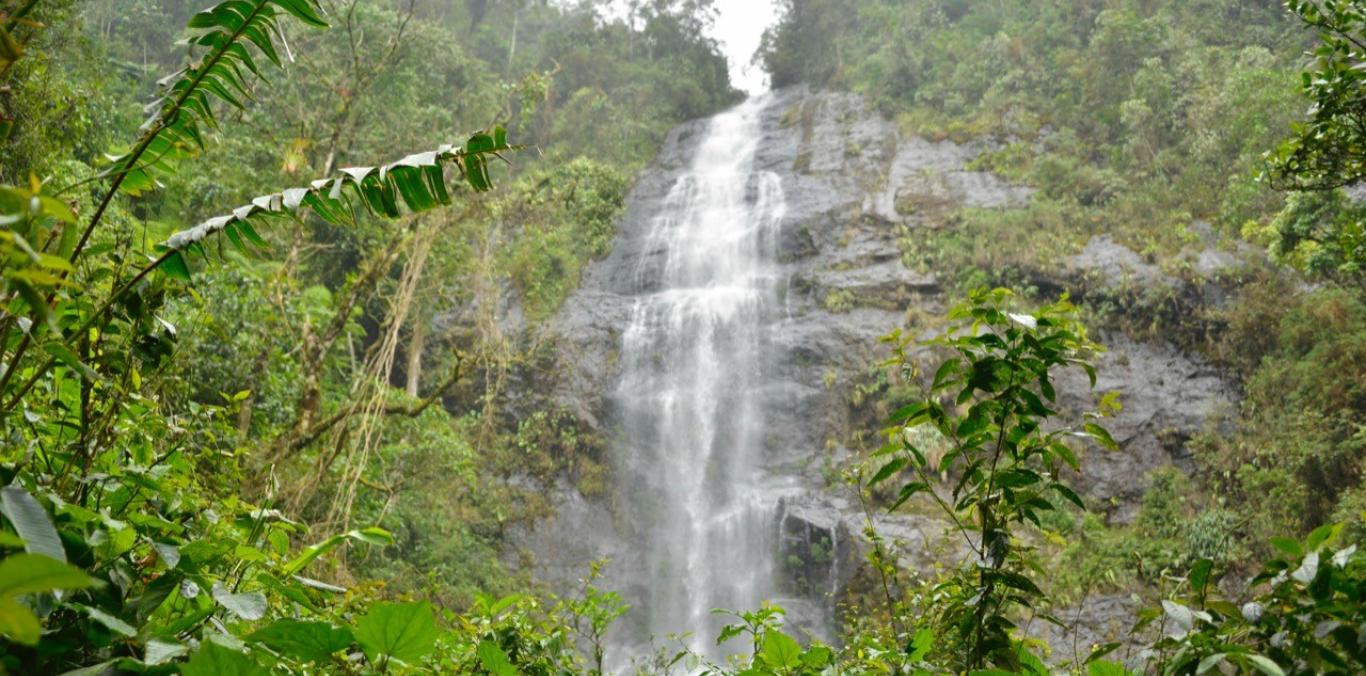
1319 233
228 32
1305 617
773 652
567 216
25 574
592 613
134 499
838 300
304 640
163 431
413 184
203 445
1299 447
1000 367
405 632
1327 150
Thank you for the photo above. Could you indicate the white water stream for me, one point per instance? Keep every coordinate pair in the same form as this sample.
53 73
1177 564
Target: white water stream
693 359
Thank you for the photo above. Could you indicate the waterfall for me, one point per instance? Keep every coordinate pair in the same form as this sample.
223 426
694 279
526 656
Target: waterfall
693 361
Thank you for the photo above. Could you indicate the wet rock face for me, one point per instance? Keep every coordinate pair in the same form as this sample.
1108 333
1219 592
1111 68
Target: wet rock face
1167 397
852 184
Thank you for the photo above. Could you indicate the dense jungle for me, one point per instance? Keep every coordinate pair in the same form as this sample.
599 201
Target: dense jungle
682 337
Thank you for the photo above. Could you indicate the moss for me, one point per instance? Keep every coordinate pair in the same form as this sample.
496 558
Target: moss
905 204
838 300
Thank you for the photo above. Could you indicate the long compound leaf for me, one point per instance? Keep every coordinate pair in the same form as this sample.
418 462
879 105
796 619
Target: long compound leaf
413 183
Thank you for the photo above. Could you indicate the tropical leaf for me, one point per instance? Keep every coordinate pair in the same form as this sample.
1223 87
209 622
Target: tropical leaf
308 641
398 631
413 184
494 660
213 659
23 574
32 522
232 35
372 535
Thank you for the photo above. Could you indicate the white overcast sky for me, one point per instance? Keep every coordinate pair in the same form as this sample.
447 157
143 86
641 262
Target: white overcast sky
739 26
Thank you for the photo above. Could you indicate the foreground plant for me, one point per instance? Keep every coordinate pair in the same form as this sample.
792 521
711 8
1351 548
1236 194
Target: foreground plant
1305 613
990 399
138 552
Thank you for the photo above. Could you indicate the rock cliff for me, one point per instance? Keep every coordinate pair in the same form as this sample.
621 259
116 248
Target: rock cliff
854 185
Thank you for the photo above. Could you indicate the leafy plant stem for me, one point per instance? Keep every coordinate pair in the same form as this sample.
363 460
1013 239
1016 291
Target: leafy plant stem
881 564
163 119
109 302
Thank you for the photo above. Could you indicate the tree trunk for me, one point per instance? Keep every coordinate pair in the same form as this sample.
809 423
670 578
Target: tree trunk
415 344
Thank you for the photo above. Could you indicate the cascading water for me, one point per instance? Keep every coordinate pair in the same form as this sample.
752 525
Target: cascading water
693 360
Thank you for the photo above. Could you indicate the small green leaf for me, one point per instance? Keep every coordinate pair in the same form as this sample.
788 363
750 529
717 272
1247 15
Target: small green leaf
1069 494
887 470
372 535
400 631
780 651
1288 546
1265 665
494 659
32 522
213 659
175 267
817 657
302 10
18 623
1101 435
1210 662
1199 575
169 554
161 651
920 645
1321 536
1063 451
908 413
307 641
480 143
22 574
1182 617
943 376
907 491
248 606
64 355
110 622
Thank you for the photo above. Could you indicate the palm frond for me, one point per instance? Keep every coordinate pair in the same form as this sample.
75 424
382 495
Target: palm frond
235 34
413 184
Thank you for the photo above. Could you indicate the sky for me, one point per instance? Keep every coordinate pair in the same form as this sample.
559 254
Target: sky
739 27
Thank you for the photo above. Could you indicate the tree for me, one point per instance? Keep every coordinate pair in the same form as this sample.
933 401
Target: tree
1328 151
